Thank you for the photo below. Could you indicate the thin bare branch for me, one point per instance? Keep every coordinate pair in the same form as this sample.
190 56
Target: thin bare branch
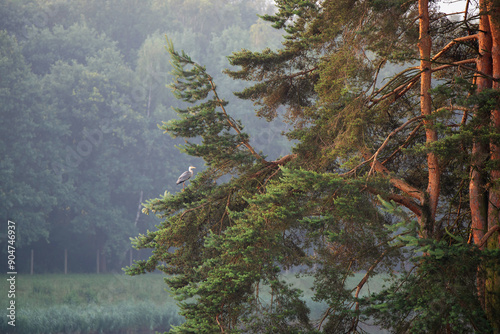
374 156
453 42
405 144
233 124
367 275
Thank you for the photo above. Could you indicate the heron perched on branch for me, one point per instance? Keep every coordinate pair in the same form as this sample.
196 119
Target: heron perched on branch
185 176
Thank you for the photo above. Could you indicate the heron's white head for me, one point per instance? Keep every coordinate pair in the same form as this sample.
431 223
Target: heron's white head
191 167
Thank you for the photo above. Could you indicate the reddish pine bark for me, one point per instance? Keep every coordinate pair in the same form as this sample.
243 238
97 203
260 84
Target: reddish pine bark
485 197
492 283
477 186
432 196
494 195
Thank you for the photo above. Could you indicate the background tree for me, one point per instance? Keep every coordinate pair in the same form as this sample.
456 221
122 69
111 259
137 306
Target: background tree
27 146
84 87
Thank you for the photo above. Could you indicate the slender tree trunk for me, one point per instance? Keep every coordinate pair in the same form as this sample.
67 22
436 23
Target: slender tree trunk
431 197
478 196
494 195
139 209
492 284
149 99
104 268
484 192
477 186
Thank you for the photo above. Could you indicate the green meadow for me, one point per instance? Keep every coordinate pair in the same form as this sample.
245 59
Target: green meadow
112 303
90 303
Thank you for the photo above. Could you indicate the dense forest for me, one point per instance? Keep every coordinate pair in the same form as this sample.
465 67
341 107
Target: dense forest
337 140
83 89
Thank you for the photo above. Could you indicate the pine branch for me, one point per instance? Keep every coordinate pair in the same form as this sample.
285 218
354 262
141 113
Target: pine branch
367 275
280 162
407 141
375 155
407 84
400 199
233 124
398 183
453 42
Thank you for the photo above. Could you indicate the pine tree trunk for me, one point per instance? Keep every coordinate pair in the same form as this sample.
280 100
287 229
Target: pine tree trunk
492 284
484 195
478 197
493 213
477 186
431 198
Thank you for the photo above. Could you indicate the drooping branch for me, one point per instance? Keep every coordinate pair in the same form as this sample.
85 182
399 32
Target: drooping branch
405 144
273 164
398 91
374 156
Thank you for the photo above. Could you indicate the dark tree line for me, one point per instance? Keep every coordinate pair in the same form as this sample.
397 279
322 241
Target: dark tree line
83 90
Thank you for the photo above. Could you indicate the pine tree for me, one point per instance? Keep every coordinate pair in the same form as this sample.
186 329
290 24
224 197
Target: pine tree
377 181
195 242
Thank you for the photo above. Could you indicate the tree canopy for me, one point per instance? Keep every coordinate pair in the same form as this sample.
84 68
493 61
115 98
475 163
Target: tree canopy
394 176
83 90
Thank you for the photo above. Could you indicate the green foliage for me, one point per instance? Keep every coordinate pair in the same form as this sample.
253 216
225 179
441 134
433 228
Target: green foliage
27 145
351 198
82 90
441 293
221 136
44 47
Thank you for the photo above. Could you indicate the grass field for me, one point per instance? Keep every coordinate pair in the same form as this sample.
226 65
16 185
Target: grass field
110 303
89 303
76 289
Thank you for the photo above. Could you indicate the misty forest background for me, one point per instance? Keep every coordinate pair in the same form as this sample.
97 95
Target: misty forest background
83 89
363 158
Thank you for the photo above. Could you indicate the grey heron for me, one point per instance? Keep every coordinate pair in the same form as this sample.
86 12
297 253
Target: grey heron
185 176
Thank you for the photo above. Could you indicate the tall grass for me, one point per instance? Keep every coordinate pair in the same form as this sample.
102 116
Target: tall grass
90 304
113 303
76 289
116 318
